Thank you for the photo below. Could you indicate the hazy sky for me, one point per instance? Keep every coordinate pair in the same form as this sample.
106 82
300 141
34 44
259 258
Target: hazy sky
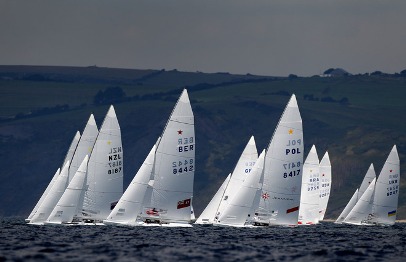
266 37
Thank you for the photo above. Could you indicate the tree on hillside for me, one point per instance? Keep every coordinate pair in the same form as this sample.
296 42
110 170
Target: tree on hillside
110 95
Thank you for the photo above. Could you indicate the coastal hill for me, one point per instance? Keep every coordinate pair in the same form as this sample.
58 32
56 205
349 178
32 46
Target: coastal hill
357 118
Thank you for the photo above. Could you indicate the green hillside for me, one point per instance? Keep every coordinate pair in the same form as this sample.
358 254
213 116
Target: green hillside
356 118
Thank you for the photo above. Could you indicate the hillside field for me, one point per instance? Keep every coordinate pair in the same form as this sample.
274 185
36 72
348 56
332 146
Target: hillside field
356 118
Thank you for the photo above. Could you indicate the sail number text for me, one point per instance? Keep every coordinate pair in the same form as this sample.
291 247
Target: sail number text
291 173
115 160
293 143
186 144
183 166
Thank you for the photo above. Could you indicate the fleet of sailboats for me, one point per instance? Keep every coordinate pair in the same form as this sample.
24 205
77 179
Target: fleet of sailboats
276 188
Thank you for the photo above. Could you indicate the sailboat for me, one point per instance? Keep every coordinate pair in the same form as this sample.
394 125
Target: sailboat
68 157
169 203
386 193
241 172
280 198
131 203
238 210
52 198
369 176
361 212
325 184
104 172
72 198
208 216
84 147
310 193
378 204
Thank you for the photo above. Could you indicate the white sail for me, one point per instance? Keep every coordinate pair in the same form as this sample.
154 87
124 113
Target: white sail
131 203
68 157
362 210
283 170
369 176
69 203
239 207
325 184
209 213
241 171
174 167
105 171
85 145
387 191
309 198
53 196
51 183
353 201
72 148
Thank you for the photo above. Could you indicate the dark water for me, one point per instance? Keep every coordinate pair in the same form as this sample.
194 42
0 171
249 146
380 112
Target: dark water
324 242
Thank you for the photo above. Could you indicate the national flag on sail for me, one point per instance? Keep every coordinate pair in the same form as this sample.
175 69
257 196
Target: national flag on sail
293 209
183 203
392 213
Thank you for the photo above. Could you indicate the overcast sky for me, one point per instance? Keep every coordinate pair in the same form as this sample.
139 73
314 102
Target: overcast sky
267 37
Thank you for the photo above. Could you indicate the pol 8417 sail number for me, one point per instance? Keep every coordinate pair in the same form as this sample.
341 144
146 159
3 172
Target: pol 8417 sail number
289 172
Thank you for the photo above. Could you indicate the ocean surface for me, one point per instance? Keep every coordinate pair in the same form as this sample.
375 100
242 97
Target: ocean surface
324 242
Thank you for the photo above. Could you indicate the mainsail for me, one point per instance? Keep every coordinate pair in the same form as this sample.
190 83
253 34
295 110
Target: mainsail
68 157
53 196
325 184
208 215
105 171
369 176
72 199
131 203
174 167
361 213
85 145
386 195
309 199
283 170
237 211
241 172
